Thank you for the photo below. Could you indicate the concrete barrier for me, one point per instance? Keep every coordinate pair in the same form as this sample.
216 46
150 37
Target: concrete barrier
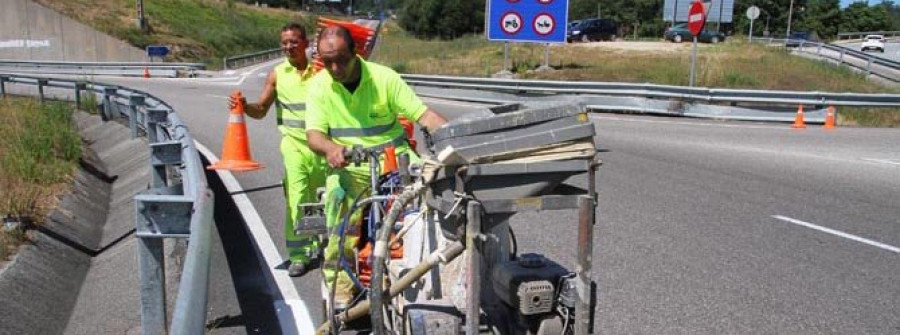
29 31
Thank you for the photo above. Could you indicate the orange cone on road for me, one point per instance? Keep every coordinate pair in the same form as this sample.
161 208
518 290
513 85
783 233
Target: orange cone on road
146 72
798 121
236 146
829 118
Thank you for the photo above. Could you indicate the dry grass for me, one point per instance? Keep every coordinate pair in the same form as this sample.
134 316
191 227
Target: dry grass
38 156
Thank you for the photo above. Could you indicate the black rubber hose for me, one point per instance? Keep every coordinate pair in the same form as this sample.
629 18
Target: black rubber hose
376 286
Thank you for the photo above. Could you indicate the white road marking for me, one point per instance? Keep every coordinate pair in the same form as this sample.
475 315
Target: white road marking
883 161
702 124
293 315
839 233
455 102
217 96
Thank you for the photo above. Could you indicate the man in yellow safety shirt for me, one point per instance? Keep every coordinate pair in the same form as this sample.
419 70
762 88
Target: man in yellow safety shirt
304 171
355 103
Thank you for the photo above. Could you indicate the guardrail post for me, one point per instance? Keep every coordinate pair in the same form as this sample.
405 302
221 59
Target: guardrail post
225 63
3 86
155 117
819 49
79 86
841 59
159 213
869 65
40 84
108 93
153 285
134 101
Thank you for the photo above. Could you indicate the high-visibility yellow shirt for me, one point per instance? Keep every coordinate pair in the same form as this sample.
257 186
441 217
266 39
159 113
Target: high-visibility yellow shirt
368 116
291 89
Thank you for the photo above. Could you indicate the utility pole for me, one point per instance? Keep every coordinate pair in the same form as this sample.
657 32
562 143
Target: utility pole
141 21
790 14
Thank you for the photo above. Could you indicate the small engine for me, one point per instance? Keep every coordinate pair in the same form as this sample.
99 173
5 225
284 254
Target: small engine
528 284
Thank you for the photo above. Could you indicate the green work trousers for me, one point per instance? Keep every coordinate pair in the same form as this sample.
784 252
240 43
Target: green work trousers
342 188
304 172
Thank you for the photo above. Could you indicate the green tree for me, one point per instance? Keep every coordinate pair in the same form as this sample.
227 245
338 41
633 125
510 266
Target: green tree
861 17
442 19
822 17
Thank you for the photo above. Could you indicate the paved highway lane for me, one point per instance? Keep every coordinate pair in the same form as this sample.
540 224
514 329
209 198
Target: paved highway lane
704 227
688 241
891 49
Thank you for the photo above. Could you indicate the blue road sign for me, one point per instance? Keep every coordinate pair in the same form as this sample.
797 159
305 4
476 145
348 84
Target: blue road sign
157 51
540 21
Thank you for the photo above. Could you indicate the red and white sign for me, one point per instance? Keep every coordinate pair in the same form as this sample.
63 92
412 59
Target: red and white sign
511 23
543 24
696 18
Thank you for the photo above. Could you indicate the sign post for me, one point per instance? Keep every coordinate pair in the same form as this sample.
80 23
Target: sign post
160 51
535 21
696 21
752 14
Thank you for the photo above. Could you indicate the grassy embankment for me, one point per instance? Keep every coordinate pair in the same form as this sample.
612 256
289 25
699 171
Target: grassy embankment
39 151
735 64
196 30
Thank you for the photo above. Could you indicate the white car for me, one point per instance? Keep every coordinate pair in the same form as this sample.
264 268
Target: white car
873 42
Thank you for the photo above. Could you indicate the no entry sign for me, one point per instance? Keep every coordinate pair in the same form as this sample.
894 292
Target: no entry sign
696 18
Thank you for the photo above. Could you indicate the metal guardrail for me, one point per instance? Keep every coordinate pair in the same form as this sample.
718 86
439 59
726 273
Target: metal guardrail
179 203
239 61
861 34
135 69
653 91
892 67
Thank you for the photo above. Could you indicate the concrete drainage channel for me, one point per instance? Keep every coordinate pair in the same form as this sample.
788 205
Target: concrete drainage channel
79 273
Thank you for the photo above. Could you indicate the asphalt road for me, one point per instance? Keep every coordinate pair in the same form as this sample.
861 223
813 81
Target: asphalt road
891 49
703 227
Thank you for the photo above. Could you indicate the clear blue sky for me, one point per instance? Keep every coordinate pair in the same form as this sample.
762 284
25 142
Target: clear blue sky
845 3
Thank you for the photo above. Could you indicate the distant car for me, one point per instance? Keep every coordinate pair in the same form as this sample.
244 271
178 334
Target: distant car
680 33
593 30
796 38
873 42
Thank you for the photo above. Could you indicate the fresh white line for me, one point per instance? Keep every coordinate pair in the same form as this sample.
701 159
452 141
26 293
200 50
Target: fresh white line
702 124
293 315
217 96
453 102
839 233
883 161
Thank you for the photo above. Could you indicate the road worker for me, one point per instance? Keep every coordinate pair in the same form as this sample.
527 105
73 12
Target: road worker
304 171
355 103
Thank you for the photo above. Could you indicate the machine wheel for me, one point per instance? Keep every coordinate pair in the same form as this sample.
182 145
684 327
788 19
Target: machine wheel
714 39
585 38
676 38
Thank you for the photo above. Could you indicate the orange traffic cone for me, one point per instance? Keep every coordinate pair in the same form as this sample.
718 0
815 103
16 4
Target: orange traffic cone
798 121
390 160
236 149
829 118
146 72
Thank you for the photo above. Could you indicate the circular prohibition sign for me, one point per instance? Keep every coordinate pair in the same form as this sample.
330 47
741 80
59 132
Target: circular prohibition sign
511 22
543 24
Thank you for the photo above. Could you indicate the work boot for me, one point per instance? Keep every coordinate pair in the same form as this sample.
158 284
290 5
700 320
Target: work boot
297 269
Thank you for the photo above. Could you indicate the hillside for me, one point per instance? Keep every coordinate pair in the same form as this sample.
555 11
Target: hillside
196 30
